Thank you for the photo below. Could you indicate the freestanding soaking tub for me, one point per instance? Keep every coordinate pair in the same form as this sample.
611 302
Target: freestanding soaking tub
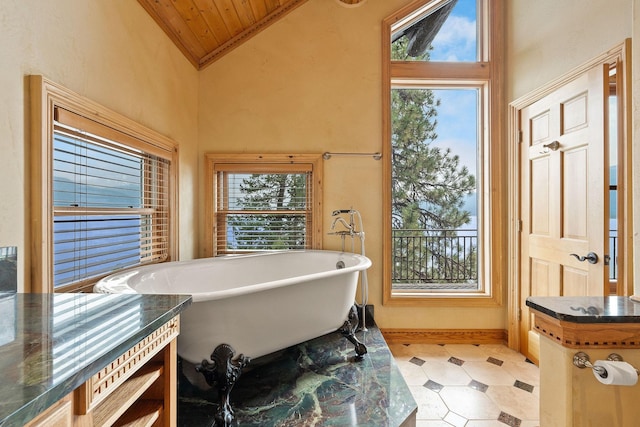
252 304
257 303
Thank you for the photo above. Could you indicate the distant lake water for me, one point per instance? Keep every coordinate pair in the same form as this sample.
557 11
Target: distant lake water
473 225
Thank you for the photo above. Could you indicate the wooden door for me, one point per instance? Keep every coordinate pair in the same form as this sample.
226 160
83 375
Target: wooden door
562 195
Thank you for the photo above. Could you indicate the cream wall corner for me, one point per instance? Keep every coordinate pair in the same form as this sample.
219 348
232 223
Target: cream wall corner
111 52
548 38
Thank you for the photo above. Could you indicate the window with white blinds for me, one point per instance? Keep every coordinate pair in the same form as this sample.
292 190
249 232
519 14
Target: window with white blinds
103 191
110 206
263 205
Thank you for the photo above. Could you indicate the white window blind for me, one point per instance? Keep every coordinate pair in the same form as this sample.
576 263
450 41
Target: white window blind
110 200
263 207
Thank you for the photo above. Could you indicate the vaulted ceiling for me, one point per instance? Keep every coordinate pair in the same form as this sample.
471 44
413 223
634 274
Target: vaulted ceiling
205 30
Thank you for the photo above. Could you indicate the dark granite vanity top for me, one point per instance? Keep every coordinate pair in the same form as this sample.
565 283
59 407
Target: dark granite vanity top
611 309
52 343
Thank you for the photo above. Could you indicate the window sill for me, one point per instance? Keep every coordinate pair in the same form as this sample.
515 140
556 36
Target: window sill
440 299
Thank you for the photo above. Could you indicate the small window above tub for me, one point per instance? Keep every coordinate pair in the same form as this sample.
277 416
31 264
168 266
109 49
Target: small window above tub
262 202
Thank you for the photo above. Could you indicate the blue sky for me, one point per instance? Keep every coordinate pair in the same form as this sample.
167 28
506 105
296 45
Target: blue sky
457 123
456 40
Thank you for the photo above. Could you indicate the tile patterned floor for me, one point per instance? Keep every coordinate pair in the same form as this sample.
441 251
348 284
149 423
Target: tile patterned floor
470 385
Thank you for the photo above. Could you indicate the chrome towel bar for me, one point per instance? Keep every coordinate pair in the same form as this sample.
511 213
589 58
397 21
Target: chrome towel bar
327 155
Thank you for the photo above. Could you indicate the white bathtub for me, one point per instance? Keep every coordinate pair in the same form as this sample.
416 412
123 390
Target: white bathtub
257 303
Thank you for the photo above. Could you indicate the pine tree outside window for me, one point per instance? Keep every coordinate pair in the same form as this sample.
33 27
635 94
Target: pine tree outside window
262 203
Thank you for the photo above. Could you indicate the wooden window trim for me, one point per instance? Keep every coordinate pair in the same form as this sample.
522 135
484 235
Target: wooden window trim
490 71
261 163
133 141
443 71
46 98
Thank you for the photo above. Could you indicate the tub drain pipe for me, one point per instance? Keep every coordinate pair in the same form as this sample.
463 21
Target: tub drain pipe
364 289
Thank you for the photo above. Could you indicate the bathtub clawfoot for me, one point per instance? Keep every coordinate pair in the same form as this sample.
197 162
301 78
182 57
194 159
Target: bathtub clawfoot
348 330
223 373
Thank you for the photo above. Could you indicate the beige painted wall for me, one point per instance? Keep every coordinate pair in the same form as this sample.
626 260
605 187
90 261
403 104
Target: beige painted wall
548 38
112 52
312 83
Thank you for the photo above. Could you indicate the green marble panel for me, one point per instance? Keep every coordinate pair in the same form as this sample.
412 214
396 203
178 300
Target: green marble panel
318 382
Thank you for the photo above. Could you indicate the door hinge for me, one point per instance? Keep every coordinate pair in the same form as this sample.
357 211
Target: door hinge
519 225
519 315
519 136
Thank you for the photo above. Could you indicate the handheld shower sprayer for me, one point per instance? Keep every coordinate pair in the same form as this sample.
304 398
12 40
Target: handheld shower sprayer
352 230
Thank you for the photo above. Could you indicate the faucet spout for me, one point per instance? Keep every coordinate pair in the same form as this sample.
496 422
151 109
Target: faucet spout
343 222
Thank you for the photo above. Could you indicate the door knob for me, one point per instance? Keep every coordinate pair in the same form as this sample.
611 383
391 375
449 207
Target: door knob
592 257
553 146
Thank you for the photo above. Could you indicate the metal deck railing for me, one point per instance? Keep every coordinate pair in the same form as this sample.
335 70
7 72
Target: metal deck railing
448 256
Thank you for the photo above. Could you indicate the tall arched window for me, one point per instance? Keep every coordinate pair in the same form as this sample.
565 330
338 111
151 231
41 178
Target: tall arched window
444 172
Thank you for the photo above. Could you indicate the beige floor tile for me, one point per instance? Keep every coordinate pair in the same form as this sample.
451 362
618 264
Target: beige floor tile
446 373
455 419
516 402
466 352
523 371
502 352
430 406
456 402
485 423
488 373
429 351
412 373
469 403
401 351
433 423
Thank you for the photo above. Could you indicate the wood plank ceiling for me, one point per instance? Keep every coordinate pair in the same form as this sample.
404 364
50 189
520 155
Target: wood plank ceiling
205 30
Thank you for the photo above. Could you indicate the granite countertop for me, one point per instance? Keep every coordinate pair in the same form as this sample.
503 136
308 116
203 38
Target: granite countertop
52 343
603 309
